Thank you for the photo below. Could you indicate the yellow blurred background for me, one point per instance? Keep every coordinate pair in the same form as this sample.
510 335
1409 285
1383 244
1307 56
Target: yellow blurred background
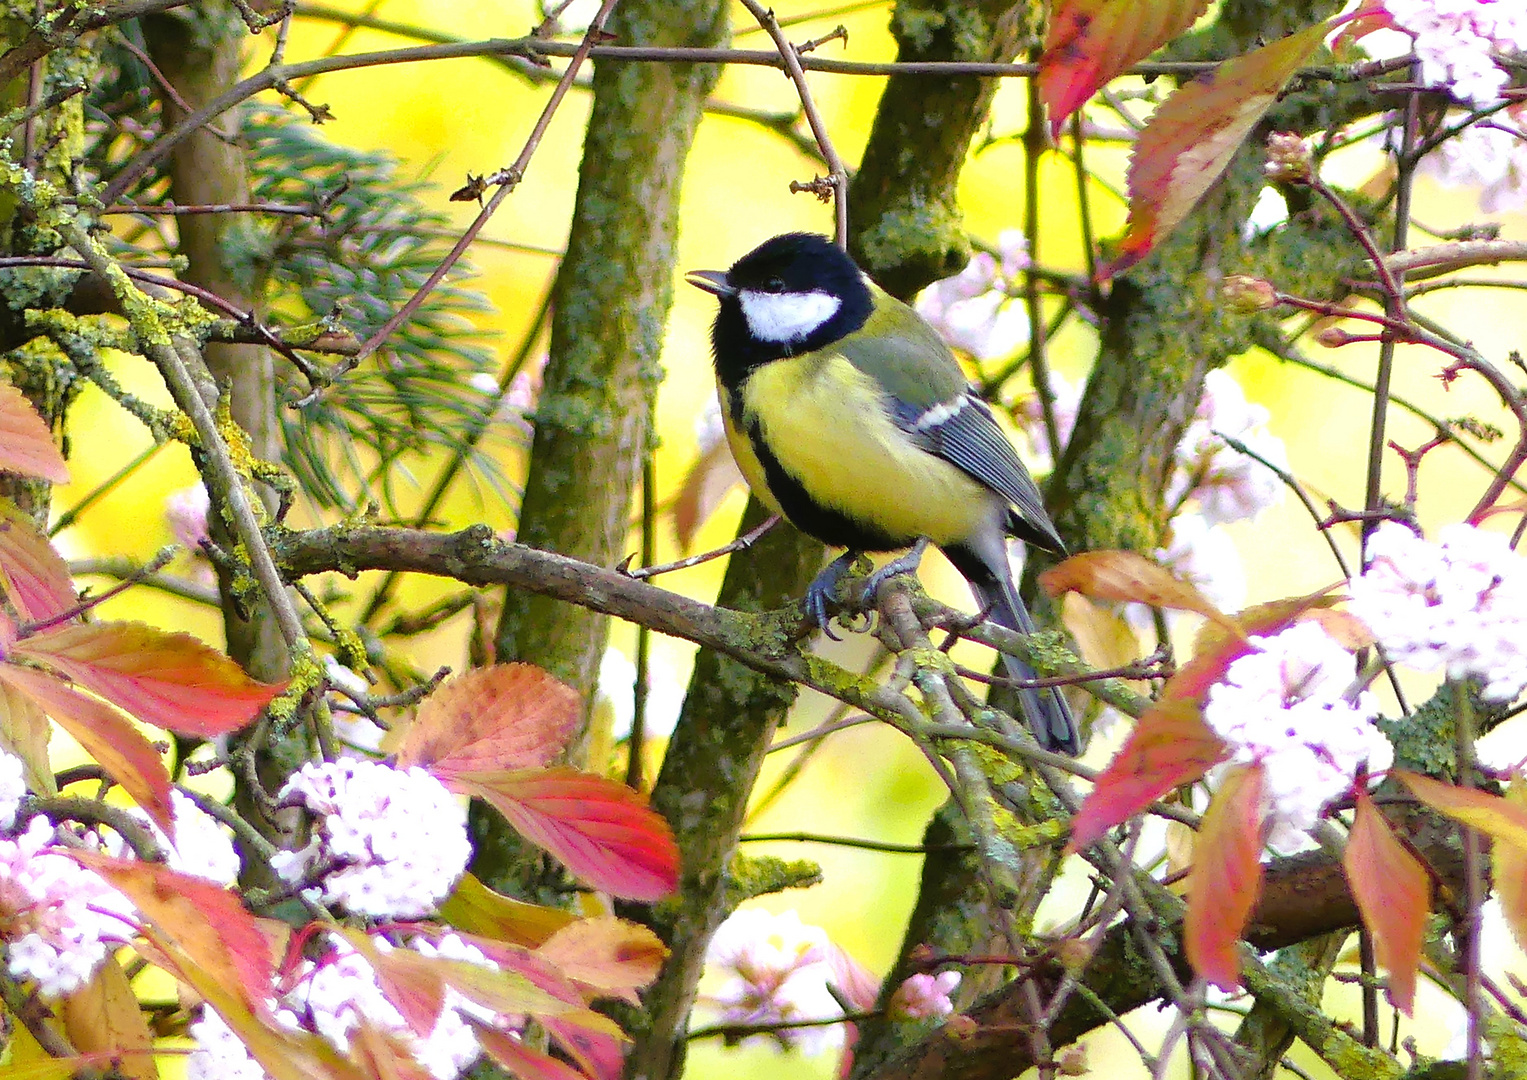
448 119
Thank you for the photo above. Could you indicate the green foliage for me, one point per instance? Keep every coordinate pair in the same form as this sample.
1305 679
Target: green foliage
374 246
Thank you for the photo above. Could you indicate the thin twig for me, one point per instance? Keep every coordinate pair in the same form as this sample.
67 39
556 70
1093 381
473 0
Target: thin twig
742 543
837 174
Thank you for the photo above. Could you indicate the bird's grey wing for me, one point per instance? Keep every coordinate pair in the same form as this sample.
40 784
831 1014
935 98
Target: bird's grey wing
964 433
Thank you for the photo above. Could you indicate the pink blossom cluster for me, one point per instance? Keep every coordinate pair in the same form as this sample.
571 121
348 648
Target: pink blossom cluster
1459 42
774 969
1289 707
387 843
973 310
1460 602
60 918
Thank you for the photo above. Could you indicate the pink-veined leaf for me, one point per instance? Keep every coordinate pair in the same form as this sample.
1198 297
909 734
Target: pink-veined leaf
1226 877
602 831
1170 746
1189 141
1393 893
33 574
509 716
1090 42
169 680
600 1054
610 957
1490 814
208 924
105 734
26 445
1130 577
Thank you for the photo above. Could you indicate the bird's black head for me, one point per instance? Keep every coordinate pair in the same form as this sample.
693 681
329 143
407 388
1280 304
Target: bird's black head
792 294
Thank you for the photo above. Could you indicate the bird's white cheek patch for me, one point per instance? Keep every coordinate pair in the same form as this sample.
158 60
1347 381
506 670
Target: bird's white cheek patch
784 317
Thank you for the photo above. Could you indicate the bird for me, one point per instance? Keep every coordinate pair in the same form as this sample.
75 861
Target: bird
849 416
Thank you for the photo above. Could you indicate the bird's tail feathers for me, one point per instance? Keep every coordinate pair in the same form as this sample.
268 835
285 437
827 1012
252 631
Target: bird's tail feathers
1048 715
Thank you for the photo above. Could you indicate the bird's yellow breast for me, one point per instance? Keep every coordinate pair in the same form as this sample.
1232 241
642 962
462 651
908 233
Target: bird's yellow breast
826 423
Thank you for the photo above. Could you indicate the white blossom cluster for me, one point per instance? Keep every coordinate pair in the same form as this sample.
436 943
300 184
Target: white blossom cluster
1226 484
1284 707
1460 602
202 847
973 310
617 690
333 996
775 969
1490 155
1459 41
1066 400
13 788
387 843
59 917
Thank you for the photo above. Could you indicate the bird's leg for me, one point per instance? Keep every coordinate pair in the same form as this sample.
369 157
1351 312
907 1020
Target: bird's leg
822 592
904 564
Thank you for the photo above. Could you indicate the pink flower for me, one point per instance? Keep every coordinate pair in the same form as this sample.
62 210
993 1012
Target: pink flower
924 996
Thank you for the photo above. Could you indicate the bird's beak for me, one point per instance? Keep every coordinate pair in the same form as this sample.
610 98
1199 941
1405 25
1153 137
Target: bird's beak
712 281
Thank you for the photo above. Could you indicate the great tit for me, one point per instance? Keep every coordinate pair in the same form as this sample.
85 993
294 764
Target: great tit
849 416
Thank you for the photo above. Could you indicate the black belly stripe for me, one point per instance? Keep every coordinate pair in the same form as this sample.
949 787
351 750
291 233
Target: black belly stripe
811 517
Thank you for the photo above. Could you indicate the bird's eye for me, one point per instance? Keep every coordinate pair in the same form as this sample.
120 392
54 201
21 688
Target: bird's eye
774 285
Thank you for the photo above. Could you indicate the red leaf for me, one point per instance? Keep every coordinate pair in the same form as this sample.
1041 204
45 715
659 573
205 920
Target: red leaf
171 681
1490 814
106 735
600 830
1127 576
34 576
26 445
1089 42
608 956
1226 877
1191 138
1170 746
509 716
598 1053
208 924
1393 893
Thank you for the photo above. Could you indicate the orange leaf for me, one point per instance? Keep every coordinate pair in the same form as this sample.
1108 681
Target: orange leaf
1170 746
171 681
609 956
208 925
104 1017
33 574
1191 138
105 734
1089 42
384 1056
520 1060
477 909
1127 576
26 445
1490 814
709 480
1226 877
600 830
1508 870
1393 893
509 716
24 731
